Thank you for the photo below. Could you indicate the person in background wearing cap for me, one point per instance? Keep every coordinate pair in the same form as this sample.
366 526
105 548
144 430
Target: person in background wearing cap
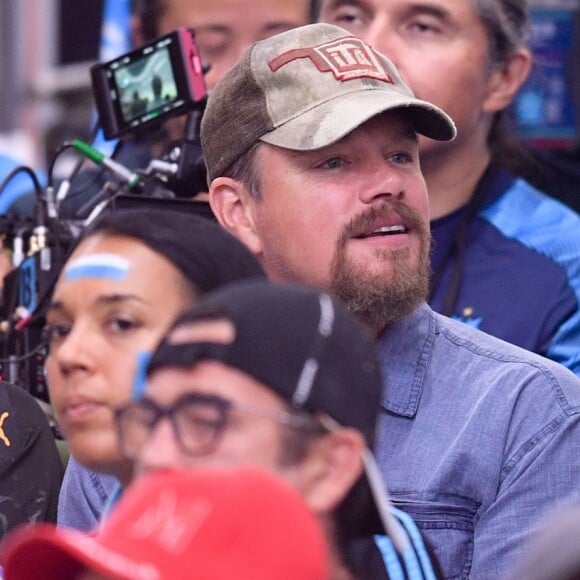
506 257
31 468
283 377
126 280
313 158
222 524
223 30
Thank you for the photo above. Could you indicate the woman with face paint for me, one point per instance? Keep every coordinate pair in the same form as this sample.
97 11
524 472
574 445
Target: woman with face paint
123 284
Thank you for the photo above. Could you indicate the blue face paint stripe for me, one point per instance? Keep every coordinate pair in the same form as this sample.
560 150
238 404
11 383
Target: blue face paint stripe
94 271
104 266
140 378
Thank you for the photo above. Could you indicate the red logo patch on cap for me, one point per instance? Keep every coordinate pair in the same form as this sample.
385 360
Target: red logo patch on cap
347 58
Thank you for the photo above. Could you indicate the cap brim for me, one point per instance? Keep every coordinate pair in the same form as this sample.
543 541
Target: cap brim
332 120
44 551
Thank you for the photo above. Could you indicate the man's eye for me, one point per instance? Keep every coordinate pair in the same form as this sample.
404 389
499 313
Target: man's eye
345 18
332 163
348 19
401 158
212 52
424 27
212 45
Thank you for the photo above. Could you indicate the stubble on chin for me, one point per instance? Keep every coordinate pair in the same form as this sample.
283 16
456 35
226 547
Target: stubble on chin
381 295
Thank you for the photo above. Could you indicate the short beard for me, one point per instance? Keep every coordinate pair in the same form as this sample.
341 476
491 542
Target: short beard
377 297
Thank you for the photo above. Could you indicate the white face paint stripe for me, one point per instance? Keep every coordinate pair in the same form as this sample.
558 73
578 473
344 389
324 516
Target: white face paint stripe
106 266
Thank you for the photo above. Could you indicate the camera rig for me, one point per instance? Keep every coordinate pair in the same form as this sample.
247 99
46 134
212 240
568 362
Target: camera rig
167 77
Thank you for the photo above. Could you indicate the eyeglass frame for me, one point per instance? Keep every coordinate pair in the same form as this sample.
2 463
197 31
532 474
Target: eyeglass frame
295 419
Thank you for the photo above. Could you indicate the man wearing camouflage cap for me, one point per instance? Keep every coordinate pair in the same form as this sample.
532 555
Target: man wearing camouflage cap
311 148
283 377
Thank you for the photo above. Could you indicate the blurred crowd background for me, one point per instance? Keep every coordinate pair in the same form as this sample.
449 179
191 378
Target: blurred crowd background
48 46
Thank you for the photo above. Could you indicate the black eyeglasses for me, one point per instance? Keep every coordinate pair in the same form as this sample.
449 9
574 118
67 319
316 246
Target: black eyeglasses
198 421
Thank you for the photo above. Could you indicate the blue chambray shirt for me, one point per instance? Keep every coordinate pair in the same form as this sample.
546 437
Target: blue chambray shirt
477 440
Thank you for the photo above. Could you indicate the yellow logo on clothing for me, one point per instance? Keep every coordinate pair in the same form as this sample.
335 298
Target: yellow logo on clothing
3 437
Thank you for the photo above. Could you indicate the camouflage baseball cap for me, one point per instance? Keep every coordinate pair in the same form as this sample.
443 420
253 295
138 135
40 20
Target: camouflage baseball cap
305 89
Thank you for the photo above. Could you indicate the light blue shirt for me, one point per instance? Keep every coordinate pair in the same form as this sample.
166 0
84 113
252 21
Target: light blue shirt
83 496
478 439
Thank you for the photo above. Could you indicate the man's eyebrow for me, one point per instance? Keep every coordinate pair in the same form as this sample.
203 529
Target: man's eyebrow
213 27
430 9
334 4
278 24
417 8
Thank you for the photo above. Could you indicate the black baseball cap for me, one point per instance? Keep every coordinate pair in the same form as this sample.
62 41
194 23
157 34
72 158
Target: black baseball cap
310 350
295 340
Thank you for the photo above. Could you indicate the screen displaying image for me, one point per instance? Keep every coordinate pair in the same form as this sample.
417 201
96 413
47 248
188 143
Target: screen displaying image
545 108
146 86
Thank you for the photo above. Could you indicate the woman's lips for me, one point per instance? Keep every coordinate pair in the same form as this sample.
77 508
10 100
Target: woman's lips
79 411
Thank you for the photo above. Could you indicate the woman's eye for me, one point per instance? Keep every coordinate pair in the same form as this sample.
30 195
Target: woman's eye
53 332
122 324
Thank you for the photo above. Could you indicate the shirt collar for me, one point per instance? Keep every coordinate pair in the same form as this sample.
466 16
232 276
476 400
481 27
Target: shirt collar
404 350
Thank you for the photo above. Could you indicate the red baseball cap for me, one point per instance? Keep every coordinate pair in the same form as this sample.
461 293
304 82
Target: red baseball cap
213 524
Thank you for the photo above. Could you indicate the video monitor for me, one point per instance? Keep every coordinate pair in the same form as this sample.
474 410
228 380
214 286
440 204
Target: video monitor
161 79
546 111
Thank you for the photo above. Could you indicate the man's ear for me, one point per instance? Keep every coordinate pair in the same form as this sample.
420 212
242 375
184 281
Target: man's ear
233 208
507 80
334 464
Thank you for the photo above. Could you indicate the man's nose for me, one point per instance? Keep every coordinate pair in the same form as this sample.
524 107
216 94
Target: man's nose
381 181
382 36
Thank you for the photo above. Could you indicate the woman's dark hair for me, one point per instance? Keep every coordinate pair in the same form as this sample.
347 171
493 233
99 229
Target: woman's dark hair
206 255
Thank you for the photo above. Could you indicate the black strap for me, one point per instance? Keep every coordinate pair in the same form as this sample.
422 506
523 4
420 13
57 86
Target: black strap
457 247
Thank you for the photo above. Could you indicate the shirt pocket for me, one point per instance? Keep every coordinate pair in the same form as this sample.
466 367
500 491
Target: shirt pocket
449 527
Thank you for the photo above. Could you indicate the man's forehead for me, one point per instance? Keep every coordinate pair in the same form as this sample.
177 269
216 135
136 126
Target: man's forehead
203 12
395 125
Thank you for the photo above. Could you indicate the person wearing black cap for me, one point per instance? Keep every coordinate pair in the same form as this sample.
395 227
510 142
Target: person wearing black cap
312 147
125 281
284 377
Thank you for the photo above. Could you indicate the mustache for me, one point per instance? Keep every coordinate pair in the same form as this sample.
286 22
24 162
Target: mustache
386 211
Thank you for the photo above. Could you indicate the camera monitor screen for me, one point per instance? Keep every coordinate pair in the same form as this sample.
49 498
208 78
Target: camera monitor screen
158 80
546 111
146 86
